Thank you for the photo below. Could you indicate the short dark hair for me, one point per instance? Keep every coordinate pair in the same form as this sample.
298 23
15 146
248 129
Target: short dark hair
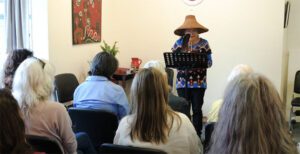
12 132
104 64
14 59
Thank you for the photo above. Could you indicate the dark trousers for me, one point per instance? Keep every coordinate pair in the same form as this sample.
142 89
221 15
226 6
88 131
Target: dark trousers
195 98
84 144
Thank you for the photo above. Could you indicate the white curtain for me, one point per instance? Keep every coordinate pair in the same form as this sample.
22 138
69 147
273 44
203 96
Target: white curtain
18 24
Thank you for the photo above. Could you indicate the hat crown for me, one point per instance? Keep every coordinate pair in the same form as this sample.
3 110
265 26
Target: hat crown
190 22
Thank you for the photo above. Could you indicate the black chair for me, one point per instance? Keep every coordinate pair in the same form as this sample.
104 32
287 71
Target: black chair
122 149
170 74
295 100
44 144
209 128
100 125
65 85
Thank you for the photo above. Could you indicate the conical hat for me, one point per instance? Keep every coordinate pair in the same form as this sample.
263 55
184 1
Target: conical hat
190 23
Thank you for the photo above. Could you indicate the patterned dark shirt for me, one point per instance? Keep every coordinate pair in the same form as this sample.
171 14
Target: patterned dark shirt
196 77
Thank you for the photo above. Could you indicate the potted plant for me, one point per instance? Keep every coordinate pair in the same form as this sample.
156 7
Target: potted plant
107 48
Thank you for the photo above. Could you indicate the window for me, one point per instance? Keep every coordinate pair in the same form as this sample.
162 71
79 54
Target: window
27 26
2 26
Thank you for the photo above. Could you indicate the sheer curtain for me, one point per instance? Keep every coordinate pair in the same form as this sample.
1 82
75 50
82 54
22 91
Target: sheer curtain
18 26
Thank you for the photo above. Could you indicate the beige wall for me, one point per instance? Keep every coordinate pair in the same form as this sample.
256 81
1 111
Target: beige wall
65 56
293 43
241 31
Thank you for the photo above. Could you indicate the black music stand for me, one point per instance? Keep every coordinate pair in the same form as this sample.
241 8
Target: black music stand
185 61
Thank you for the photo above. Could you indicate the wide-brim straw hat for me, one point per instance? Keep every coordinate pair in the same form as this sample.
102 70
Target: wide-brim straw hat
190 23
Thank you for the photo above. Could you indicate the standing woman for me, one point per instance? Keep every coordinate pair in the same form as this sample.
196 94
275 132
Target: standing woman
32 88
251 119
12 132
190 42
152 123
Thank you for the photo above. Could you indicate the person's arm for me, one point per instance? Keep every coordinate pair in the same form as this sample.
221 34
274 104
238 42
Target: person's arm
209 61
209 57
177 46
123 105
121 131
65 131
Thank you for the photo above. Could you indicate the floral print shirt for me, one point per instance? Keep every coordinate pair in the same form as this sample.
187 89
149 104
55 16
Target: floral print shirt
196 77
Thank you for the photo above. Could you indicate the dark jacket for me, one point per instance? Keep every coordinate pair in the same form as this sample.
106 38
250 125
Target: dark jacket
179 104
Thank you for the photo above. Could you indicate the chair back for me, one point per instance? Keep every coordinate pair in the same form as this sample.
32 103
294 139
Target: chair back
65 85
209 128
100 125
170 74
44 144
122 149
297 83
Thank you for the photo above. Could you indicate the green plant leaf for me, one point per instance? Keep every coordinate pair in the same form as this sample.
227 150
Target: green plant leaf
107 48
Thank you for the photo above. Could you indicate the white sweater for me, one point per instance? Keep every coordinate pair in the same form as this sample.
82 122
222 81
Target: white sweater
182 141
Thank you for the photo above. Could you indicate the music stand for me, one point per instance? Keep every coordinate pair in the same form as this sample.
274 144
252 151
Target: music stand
185 61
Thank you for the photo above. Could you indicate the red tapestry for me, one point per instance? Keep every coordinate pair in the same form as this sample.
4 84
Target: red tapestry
86 21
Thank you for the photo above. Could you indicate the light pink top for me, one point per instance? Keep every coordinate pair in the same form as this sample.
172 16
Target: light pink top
52 120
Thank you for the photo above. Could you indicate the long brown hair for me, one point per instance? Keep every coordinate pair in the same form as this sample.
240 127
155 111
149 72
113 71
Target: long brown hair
12 132
153 118
251 119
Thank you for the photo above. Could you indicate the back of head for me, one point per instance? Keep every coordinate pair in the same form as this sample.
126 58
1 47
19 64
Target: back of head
14 59
239 69
156 64
33 83
251 119
149 96
12 132
104 64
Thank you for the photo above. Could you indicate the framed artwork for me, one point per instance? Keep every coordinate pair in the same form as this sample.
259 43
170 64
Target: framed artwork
86 21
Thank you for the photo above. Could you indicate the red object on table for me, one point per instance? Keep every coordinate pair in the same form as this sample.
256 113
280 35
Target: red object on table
122 75
135 62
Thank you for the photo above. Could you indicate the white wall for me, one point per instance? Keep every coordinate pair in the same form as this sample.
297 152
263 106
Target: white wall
40 42
293 42
241 31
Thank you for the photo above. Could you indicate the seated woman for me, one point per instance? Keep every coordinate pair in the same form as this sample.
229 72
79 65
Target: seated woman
12 132
216 105
152 123
251 119
177 103
32 88
14 59
98 92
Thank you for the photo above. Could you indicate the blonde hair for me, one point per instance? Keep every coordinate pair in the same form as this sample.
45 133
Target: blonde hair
251 119
153 118
33 83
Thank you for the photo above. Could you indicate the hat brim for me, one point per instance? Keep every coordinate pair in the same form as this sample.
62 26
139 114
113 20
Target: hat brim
180 31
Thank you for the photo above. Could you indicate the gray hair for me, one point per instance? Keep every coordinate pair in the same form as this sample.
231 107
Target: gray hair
251 119
156 64
33 83
239 69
